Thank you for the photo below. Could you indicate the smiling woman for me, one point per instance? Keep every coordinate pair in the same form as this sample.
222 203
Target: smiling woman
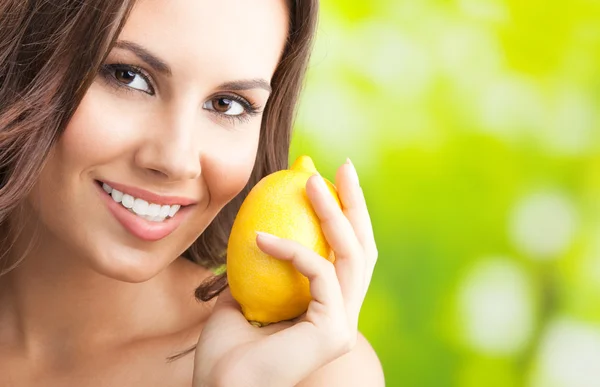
129 135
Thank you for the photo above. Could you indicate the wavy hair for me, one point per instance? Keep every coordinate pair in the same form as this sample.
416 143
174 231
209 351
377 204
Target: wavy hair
51 52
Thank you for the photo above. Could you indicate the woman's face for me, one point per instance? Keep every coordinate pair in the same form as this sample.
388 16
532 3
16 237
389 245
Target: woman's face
172 119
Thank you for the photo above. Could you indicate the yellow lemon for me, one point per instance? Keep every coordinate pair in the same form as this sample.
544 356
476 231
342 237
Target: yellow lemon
270 290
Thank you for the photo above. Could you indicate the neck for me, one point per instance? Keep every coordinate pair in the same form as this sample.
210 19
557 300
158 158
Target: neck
54 303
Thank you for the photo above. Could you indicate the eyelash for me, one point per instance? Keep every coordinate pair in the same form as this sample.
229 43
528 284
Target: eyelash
250 108
107 72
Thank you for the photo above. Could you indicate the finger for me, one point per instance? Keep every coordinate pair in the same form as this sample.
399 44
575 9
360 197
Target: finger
315 340
274 328
355 207
312 346
336 227
324 286
350 263
225 300
227 307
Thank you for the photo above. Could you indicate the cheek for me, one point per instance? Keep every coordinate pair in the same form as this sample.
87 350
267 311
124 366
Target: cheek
227 173
81 146
99 130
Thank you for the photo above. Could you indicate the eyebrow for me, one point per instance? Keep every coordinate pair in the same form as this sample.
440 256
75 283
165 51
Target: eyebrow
145 55
247 85
160 66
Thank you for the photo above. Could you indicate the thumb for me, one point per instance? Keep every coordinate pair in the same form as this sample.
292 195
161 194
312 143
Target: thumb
227 307
225 300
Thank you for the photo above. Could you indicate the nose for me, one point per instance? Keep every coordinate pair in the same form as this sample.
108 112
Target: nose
170 147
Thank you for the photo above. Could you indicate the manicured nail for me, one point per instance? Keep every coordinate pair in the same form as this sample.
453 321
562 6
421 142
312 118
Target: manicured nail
267 236
353 174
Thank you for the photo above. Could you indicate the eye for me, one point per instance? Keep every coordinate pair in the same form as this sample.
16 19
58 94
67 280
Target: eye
224 105
128 77
132 79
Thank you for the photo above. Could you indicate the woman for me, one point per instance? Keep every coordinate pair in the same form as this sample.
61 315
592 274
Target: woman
176 108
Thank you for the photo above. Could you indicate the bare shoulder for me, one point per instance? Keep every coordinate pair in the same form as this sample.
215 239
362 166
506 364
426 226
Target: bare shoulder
174 363
359 367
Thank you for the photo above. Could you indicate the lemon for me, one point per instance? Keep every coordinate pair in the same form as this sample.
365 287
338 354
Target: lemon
270 290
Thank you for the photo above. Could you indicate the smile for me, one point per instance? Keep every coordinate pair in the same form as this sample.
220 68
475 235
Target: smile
149 211
146 215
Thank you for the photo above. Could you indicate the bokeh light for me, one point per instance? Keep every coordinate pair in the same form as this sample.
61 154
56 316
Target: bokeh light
475 128
543 225
496 307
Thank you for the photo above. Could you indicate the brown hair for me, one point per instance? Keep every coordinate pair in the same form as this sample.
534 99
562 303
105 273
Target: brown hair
50 53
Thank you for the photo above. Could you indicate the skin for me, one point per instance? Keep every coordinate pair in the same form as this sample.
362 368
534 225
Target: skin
93 305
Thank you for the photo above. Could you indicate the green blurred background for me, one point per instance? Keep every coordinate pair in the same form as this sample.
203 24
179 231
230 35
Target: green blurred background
473 125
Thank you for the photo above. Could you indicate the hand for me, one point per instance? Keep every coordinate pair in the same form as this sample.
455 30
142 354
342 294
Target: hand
232 352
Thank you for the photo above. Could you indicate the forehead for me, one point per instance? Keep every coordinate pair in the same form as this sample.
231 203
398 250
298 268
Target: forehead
223 39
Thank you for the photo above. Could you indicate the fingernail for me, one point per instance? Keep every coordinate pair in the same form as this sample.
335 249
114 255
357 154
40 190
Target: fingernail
266 235
353 174
321 183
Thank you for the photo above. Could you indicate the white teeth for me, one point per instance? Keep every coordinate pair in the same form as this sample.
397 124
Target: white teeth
153 210
140 206
164 211
107 188
153 218
149 211
117 195
174 210
127 201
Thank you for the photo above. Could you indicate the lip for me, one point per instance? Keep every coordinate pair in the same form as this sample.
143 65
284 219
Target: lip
149 196
138 226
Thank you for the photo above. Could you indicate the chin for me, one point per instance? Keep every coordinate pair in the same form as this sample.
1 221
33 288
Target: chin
128 264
